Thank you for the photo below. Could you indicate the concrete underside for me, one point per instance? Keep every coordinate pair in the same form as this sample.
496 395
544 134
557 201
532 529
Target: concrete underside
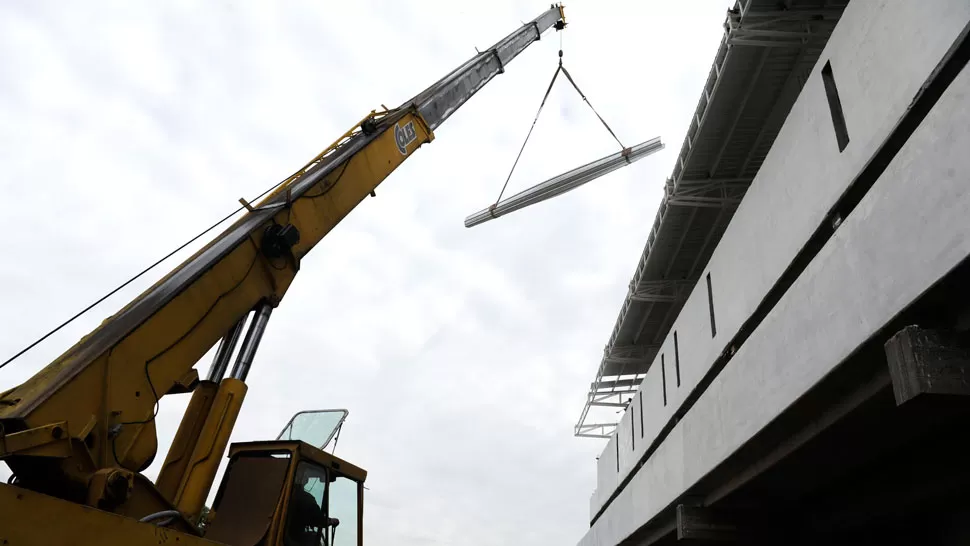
770 397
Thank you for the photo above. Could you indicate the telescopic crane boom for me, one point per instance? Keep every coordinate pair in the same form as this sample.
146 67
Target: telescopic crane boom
82 429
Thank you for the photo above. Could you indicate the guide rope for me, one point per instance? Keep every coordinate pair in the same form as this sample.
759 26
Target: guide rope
560 68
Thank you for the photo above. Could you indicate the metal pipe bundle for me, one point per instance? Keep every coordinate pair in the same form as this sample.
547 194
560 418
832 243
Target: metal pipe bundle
562 183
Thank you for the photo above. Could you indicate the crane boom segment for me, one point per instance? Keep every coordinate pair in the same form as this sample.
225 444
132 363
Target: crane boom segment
439 101
104 390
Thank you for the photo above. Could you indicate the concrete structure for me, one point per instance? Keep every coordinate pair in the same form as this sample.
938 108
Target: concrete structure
760 400
761 65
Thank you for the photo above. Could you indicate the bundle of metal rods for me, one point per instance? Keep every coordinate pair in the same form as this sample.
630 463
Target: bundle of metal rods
562 183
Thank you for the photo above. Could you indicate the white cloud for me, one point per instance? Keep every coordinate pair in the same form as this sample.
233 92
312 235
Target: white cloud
463 355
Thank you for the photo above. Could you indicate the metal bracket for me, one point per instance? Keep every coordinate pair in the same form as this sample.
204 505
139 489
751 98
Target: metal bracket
46 441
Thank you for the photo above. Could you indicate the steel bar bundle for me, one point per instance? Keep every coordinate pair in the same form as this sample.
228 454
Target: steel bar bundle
562 183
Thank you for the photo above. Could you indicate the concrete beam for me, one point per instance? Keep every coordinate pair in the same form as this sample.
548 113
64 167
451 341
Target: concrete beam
927 362
704 525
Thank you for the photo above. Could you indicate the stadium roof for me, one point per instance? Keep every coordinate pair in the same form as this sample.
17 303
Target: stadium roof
767 52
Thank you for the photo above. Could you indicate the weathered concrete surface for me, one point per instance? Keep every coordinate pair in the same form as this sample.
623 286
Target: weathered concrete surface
913 224
881 53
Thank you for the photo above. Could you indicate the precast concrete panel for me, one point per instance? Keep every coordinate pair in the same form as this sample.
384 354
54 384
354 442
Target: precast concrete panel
913 223
801 178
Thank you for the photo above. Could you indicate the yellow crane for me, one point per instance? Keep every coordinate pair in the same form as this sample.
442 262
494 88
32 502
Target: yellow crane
78 434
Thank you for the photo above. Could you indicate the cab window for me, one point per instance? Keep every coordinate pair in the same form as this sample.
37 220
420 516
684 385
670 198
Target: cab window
306 522
344 505
324 508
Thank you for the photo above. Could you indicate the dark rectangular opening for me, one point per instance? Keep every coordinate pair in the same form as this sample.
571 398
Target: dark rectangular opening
617 455
835 106
663 377
633 433
710 305
641 416
676 358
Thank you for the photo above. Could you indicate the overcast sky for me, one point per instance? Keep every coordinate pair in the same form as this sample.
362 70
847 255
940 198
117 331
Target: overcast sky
463 355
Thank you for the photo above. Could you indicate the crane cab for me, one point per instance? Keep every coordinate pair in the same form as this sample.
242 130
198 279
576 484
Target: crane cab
290 492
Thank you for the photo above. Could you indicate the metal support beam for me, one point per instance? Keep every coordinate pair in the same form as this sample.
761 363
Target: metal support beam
790 80
619 365
625 361
604 395
617 400
662 291
627 366
779 28
595 430
754 42
682 290
631 351
711 195
789 34
565 182
704 106
707 241
666 274
612 385
701 186
598 403
739 112
706 202
613 393
791 15
687 183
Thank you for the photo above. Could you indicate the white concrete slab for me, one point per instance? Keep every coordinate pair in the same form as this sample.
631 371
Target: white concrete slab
908 231
881 53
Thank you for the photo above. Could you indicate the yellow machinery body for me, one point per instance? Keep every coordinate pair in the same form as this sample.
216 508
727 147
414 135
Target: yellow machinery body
100 450
255 505
78 434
